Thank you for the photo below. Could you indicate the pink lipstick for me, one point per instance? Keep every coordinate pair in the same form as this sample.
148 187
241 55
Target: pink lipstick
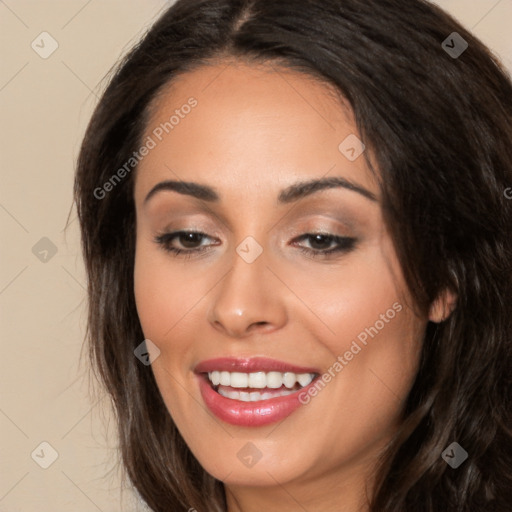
252 392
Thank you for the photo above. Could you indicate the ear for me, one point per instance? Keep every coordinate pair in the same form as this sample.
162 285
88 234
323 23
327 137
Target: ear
443 306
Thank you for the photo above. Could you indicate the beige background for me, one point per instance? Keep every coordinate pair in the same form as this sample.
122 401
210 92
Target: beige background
44 107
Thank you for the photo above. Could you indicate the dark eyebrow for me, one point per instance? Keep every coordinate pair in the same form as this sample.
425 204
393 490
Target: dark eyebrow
203 192
287 195
305 188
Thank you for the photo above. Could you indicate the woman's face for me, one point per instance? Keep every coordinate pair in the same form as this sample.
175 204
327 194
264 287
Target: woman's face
284 283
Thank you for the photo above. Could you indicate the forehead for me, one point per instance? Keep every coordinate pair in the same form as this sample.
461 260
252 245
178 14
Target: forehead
251 125
234 84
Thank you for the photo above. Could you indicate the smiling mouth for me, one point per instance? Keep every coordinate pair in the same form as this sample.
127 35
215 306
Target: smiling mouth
257 386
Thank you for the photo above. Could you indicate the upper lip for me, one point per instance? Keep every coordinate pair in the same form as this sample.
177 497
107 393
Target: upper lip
250 364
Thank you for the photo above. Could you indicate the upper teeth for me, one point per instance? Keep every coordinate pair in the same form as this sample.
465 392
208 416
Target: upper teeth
261 380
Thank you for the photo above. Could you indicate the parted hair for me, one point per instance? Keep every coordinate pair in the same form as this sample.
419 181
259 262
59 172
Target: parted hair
439 132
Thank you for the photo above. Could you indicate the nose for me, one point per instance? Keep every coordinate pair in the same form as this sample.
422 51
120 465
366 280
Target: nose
249 299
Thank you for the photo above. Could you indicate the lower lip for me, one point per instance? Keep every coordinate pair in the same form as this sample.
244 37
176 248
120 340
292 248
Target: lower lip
249 414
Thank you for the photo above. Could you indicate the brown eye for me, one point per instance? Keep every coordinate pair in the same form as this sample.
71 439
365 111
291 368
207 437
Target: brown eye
320 242
190 239
325 244
183 242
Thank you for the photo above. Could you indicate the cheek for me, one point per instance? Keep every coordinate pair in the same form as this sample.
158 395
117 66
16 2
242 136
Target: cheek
357 300
165 300
163 295
374 343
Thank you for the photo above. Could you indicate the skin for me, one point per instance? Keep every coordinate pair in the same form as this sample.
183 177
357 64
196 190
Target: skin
255 131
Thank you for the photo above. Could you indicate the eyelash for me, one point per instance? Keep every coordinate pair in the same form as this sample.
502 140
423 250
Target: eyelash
344 244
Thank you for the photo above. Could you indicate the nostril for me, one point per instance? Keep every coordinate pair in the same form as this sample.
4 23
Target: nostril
258 324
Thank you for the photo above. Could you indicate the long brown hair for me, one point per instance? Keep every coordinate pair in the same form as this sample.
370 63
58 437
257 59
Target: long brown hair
439 128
